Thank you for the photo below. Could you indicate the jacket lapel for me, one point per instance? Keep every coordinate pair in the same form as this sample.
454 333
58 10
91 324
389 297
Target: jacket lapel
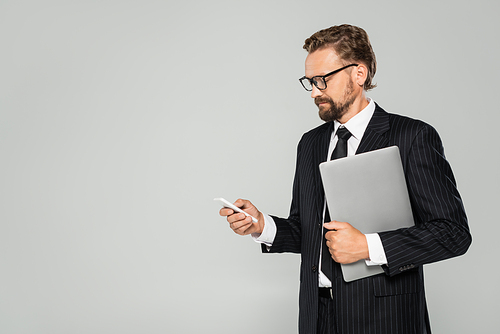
373 138
323 141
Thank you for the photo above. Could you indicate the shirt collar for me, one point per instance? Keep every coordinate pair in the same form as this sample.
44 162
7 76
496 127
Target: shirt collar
358 123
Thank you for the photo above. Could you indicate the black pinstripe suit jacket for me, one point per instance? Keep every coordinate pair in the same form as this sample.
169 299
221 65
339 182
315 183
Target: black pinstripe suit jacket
393 302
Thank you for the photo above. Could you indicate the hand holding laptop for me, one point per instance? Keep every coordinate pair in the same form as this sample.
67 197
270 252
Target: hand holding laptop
346 243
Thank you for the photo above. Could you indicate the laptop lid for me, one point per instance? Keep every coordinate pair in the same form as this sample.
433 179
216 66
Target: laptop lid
368 191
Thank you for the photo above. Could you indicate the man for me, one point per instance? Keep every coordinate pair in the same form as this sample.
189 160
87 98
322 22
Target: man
339 69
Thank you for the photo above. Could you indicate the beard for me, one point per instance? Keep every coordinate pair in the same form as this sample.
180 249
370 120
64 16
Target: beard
337 109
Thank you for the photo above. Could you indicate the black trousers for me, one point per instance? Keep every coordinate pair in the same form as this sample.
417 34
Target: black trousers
326 317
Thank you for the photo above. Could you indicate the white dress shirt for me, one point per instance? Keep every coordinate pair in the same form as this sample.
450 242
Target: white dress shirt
356 126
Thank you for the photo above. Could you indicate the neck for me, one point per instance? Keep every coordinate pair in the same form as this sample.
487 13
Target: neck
359 104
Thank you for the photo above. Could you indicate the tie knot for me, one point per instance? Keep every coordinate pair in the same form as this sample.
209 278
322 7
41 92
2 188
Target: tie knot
343 133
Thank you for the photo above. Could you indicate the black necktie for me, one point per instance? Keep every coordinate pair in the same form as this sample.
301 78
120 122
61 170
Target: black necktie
340 151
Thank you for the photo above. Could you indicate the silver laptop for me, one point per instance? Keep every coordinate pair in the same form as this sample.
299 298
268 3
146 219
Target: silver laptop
368 191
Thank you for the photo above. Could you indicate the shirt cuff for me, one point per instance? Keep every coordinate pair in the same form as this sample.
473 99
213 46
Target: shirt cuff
375 250
268 233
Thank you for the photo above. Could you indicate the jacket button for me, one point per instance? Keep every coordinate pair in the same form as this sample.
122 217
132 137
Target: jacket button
314 269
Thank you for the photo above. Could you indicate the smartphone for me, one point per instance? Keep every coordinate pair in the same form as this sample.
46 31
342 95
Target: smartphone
229 205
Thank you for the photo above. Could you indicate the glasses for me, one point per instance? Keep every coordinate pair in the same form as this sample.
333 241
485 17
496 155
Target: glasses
319 80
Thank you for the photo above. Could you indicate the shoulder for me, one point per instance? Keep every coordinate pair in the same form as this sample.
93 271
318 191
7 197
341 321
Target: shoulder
401 122
318 133
400 126
416 139
319 130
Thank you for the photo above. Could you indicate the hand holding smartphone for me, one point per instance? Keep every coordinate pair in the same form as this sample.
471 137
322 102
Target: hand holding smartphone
229 205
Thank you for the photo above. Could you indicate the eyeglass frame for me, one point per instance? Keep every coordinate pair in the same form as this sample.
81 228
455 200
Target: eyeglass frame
313 80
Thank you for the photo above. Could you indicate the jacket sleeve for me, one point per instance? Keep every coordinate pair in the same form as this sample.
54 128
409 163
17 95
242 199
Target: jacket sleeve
289 230
441 230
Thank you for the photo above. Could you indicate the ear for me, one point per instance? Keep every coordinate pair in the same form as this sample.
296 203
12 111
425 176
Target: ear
360 74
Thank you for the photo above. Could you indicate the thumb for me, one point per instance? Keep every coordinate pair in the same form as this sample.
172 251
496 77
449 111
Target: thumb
243 204
333 225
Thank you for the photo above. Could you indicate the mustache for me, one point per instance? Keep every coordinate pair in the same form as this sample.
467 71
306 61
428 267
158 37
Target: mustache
318 100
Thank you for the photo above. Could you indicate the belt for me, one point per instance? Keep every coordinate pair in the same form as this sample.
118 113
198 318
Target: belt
325 293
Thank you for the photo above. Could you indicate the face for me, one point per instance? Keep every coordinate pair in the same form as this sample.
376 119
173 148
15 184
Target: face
335 101
330 110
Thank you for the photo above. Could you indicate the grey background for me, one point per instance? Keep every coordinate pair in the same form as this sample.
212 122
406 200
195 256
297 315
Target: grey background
120 121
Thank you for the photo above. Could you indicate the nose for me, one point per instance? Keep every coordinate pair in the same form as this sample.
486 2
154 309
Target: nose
315 92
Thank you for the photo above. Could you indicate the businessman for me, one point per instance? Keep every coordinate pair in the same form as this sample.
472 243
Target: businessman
339 69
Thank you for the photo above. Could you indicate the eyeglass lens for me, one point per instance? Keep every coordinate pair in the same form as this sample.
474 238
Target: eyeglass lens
319 82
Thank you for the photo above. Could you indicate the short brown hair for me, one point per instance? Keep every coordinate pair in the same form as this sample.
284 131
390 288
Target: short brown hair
351 44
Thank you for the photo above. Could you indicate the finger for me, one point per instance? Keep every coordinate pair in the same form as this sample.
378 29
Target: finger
248 207
241 229
236 217
335 225
332 242
241 226
239 221
226 212
244 229
244 204
330 235
241 203
330 226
